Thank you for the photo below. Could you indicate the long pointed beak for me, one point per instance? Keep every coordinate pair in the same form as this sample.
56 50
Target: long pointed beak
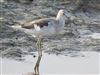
69 15
66 15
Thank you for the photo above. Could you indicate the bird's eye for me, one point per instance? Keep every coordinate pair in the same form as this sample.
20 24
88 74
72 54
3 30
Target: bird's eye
63 13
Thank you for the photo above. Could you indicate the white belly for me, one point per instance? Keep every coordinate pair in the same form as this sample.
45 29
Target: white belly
47 31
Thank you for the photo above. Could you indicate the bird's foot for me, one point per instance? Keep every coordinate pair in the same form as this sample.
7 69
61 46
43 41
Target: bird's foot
30 73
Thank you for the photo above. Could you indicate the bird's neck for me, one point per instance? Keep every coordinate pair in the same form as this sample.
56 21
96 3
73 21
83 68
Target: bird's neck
61 20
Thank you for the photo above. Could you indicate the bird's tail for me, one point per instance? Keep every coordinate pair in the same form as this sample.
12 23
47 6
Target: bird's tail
17 27
27 31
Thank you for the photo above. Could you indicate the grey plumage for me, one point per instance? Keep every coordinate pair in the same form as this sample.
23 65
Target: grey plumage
40 22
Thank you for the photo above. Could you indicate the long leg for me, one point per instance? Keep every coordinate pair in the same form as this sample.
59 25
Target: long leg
39 57
36 68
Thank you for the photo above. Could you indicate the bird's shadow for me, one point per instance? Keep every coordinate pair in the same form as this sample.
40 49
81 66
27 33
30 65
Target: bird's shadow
30 73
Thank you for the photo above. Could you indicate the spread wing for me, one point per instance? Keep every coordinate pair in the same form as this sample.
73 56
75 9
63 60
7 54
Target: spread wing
40 22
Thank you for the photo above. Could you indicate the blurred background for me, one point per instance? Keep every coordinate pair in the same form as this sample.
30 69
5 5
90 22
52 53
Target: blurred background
80 34
16 44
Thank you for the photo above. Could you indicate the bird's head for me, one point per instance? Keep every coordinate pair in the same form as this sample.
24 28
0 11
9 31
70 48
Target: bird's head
61 13
65 14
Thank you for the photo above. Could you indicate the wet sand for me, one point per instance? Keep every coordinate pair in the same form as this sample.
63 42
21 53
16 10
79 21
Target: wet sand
52 64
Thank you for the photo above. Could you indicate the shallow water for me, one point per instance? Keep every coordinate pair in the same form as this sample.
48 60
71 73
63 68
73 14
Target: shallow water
52 64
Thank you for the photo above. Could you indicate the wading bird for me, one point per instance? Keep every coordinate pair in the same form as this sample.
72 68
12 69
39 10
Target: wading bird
41 28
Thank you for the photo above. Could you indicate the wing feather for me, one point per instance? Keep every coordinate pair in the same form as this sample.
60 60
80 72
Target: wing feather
40 22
